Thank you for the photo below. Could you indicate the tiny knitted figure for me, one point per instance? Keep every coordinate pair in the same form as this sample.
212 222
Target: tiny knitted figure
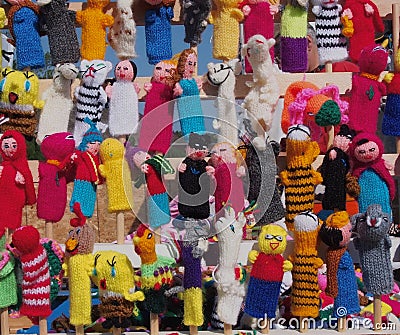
8 281
195 14
52 190
94 23
60 28
373 244
226 18
123 95
335 232
16 181
23 23
188 89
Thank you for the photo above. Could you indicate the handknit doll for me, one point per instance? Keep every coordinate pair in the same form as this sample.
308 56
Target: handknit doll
35 272
335 232
261 100
123 94
156 124
55 115
94 23
367 89
305 289
115 170
52 190
16 181
299 178
158 30
188 89
361 20
332 45
122 35
266 273
23 23
60 29
8 281
226 18
194 179
90 96
195 14
373 244
294 36
113 275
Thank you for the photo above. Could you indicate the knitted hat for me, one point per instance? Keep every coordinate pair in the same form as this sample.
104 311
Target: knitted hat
8 283
346 131
198 142
195 14
91 135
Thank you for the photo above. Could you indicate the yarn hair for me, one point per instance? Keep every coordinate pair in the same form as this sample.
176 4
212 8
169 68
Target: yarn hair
330 236
180 68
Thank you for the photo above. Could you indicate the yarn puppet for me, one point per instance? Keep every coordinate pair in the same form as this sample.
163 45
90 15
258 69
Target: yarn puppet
58 105
373 244
122 34
195 14
299 178
226 18
194 179
223 76
293 48
361 19
94 23
8 281
115 170
35 272
261 100
187 89
123 94
158 30
113 275
59 25
305 290
52 190
367 90
335 232
23 23
90 96
16 181
331 43
156 124
266 273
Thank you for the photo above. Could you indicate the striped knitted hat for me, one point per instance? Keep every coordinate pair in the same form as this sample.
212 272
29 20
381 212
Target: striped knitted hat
91 135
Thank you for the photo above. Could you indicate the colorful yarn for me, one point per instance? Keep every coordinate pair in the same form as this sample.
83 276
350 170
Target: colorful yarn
8 282
391 121
158 210
193 307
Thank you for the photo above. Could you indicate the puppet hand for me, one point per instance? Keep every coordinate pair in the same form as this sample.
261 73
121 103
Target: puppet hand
147 87
145 168
332 155
19 178
210 170
182 167
240 171
1 170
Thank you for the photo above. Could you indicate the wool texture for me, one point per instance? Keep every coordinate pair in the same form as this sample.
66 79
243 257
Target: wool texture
55 258
193 307
333 256
391 120
195 14
158 210
8 281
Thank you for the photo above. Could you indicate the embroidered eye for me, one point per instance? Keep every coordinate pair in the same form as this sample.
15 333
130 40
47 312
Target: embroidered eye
2 83
279 238
149 236
269 237
27 85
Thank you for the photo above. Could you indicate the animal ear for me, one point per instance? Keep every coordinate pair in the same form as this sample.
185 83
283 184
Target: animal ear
271 42
210 66
109 65
84 64
236 66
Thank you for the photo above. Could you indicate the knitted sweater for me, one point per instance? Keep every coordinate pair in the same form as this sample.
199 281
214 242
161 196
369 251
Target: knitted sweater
8 282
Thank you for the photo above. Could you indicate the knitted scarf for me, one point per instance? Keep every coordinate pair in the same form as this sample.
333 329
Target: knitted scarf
333 257
15 8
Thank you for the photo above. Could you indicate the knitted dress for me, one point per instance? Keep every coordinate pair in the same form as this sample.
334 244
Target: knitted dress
8 282
391 117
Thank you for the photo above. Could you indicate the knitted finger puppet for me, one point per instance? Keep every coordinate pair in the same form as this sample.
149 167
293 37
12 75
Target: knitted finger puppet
195 14
122 34
155 270
123 94
305 289
8 281
226 18
361 20
79 264
115 170
264 90
373 245
90 96
230 289
60 29
188 89
376 184
19 100
299 178
294 36
35 271
94 23
113 275
223 75
52 190
331 43
55 115
16 181
158 30
367 90
266 273
23 23
156 124
194 179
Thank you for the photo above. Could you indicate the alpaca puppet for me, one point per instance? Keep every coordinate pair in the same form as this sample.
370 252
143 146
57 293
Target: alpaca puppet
8 281
195 14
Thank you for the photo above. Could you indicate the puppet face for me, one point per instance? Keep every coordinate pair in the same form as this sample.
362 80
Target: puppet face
190 66
197 153
163 72
93 147
140 157
346 234
223 153
272 239
367 152
341 142
124 71
9 146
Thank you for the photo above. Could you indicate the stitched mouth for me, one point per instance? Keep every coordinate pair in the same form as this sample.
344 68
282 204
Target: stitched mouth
12 97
